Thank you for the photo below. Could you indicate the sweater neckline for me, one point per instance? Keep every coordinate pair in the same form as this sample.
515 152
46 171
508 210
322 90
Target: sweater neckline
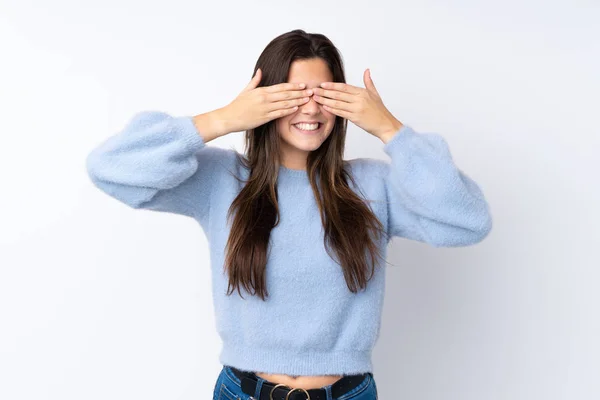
295 173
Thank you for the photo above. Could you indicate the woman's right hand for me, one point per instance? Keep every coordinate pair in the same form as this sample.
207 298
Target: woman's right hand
256 106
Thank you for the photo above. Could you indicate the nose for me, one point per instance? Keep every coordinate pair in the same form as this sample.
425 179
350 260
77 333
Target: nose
311 107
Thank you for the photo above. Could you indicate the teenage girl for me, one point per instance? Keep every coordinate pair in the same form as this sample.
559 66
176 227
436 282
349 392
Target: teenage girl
297 234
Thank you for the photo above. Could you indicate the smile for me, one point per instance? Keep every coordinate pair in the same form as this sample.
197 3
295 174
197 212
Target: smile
308 128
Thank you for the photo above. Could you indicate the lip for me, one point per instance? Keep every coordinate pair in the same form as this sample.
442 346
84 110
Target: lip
318 130
307 122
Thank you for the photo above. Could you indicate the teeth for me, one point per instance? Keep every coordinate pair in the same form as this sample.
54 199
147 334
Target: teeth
307 127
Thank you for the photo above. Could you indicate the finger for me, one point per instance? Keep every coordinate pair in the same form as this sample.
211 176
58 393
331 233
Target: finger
336 111
369 81
337 104
288 95
280 87
335 94
281 113
342 87
287 103
254 81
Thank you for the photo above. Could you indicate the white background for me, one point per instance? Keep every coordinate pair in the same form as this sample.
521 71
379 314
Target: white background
99 301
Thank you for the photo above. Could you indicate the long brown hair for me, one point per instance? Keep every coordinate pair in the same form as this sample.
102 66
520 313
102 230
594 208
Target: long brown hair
347 220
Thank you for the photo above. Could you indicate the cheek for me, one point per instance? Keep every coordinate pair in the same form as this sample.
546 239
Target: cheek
285 121
282 124
330 119
330 116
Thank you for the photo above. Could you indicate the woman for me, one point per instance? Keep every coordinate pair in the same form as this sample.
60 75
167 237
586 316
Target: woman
293 217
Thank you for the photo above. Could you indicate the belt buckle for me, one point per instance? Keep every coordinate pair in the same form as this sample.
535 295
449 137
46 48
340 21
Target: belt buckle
304 390
288 394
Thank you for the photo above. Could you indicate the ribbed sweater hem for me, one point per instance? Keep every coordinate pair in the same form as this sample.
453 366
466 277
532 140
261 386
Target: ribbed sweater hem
285 361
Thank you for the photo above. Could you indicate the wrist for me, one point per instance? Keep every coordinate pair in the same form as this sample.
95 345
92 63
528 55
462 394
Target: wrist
391 131
211 125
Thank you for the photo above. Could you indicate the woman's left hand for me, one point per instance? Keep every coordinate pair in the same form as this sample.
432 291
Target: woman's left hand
361 106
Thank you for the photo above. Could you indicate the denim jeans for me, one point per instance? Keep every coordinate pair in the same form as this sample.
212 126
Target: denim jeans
228 387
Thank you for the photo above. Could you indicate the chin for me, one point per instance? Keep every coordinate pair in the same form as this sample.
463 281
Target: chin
305 143
305 146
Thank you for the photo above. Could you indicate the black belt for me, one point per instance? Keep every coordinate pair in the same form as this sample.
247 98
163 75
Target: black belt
249 381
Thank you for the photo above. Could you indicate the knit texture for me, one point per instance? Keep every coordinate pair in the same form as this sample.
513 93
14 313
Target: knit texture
311 323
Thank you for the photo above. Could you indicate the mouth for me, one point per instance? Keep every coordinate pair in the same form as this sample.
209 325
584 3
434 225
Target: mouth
308 129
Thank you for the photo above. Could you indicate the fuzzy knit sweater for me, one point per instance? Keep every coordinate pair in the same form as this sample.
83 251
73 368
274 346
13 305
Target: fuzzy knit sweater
311 323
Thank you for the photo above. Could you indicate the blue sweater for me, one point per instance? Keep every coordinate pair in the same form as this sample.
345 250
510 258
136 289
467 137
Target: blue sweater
311 324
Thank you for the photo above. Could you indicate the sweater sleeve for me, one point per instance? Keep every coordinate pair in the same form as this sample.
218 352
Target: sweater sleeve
158 162
429 199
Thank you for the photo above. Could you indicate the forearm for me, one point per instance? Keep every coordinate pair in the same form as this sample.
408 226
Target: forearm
211 125
424 184
391 131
